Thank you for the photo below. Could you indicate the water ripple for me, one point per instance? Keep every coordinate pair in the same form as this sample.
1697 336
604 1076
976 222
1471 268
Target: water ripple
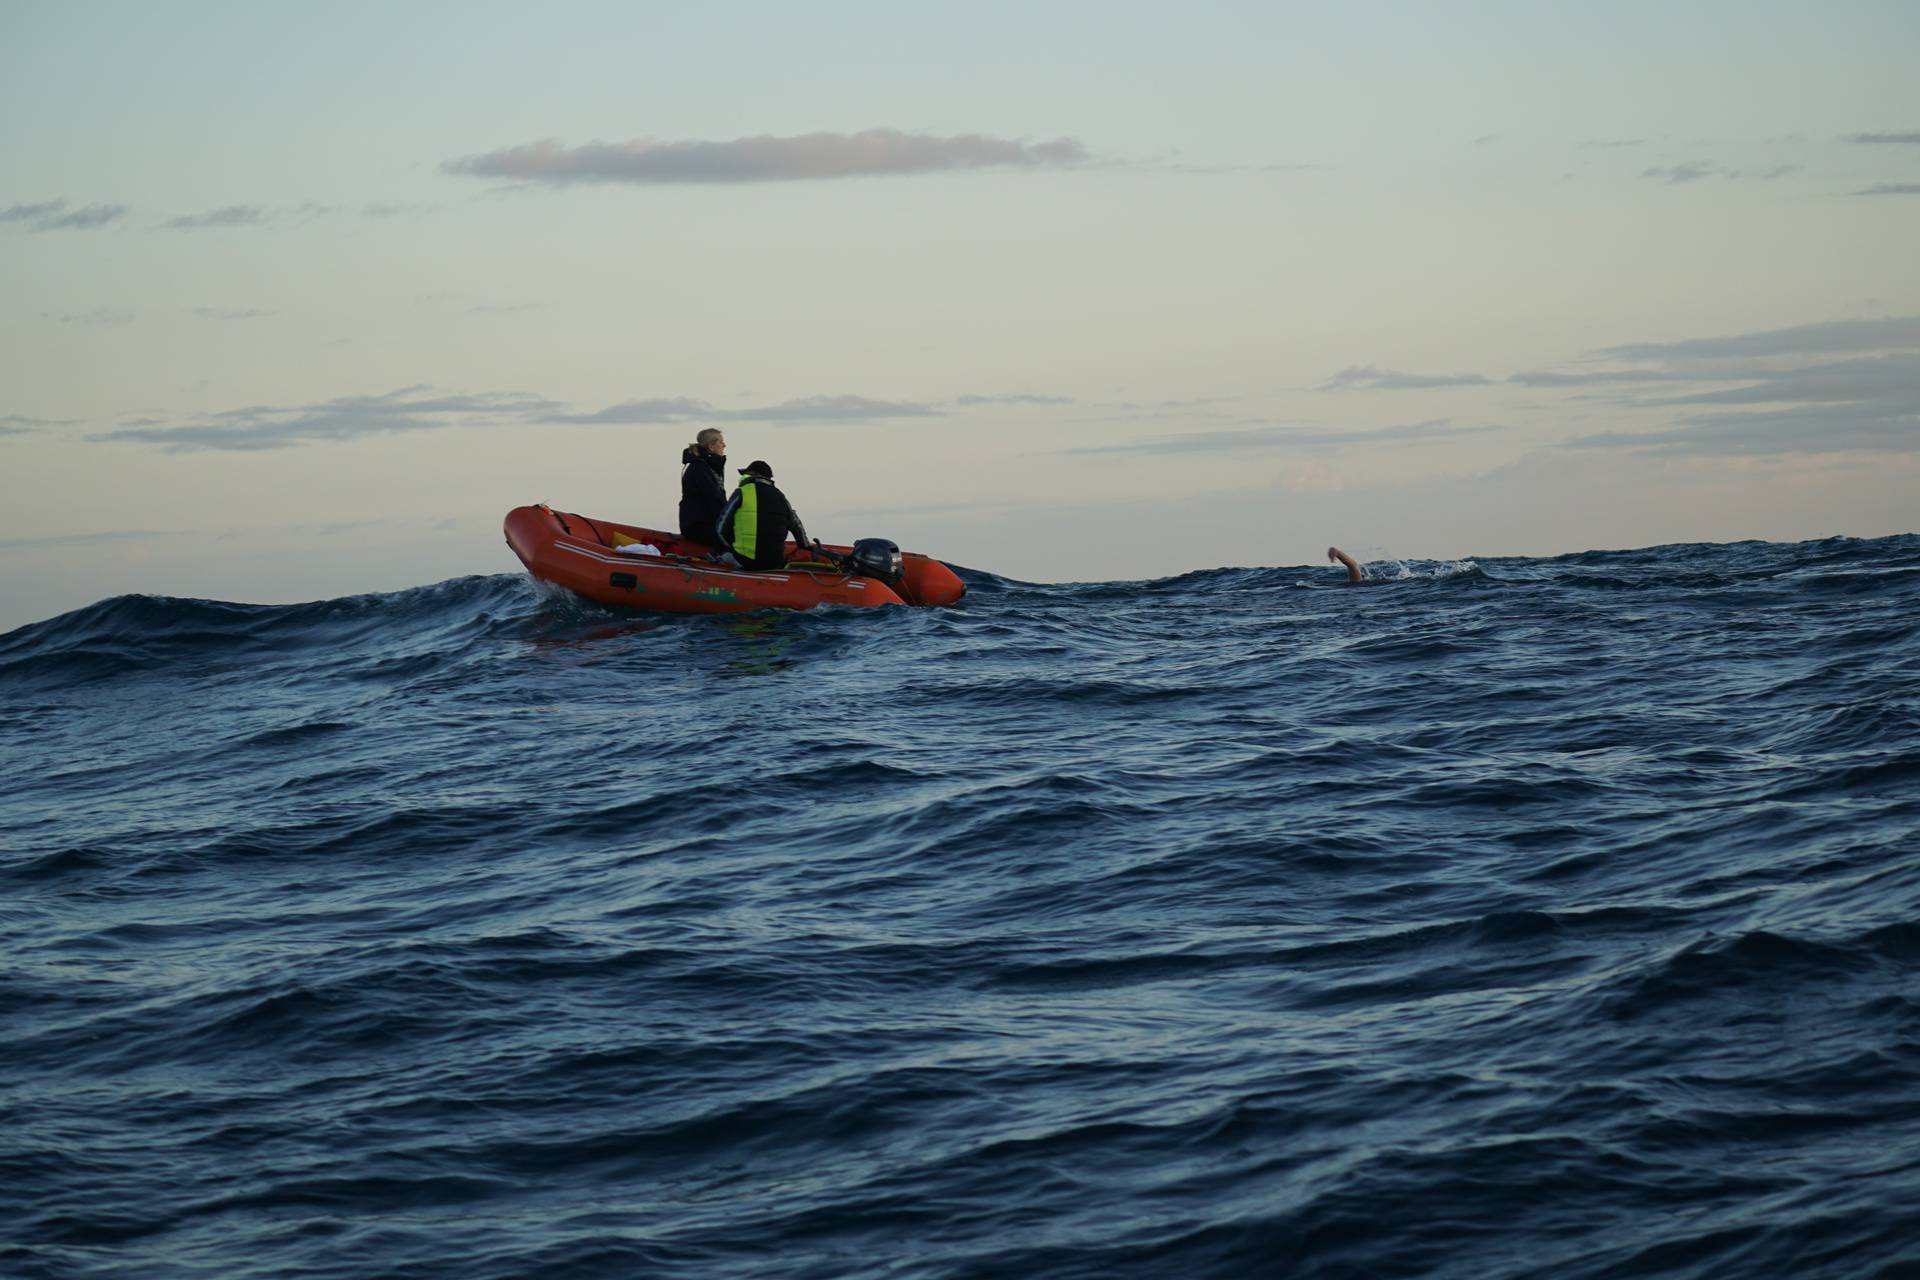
1519 916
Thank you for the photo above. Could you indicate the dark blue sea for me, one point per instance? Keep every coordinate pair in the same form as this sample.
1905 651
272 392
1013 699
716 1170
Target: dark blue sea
1514 917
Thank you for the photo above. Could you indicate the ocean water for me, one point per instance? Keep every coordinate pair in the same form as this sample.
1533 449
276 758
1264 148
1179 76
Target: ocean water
1513 918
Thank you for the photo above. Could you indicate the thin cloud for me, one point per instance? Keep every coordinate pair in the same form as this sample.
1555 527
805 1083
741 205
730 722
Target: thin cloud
311 528
84 539
1285 437
19 424
419 408
1367 377
1893 139
1686 171
974 401
99 316
1597 377
233 215
1829 337
246 215
1845 428
261 427
1890 379
31 212
836 409
1201 169
814 409
1696 170
380 210
54 215
807 157
1870 403
1891 189
1609 144
1156 406
231 313
83 219
662 410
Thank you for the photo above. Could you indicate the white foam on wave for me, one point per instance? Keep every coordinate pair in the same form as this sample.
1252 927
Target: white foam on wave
1391 570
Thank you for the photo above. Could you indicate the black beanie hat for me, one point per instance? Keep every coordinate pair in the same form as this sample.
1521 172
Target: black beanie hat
758 468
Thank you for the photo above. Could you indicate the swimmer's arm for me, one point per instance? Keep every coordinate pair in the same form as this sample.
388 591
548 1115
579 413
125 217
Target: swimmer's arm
1353 570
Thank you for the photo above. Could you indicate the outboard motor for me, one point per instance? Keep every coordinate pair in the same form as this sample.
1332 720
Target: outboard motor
877 558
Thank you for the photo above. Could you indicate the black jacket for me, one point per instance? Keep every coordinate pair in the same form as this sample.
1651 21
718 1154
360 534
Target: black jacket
756 522
703 492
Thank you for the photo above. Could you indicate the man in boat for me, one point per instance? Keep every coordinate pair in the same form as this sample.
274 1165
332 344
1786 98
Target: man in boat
1355 578
703 487
756 521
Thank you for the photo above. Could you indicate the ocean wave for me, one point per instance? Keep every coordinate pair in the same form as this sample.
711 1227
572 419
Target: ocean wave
1564 907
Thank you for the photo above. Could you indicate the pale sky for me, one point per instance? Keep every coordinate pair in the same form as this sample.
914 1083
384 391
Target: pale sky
298 301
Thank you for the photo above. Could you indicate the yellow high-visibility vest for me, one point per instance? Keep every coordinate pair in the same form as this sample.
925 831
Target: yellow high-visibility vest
746 520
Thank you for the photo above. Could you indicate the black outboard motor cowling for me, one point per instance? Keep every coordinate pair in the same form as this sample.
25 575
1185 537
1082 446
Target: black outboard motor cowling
877 558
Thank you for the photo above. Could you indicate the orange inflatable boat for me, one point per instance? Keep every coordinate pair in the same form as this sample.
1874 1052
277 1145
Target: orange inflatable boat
635 568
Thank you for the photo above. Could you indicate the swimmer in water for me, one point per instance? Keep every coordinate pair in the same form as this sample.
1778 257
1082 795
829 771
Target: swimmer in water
1355 578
